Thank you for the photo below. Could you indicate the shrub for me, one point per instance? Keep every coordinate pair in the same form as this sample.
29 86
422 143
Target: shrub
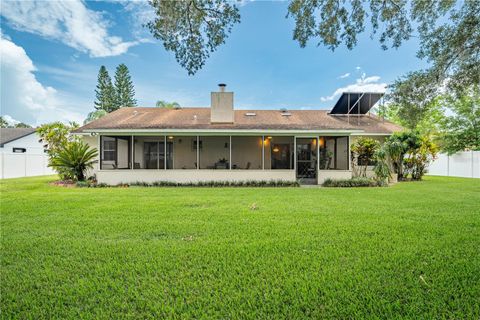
352 183
398 145
214 184
82 184
418 158
382 166
56 136
74 159
363 150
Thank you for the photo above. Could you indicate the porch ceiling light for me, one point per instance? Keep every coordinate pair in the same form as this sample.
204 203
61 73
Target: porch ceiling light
275 149
170 138
321 142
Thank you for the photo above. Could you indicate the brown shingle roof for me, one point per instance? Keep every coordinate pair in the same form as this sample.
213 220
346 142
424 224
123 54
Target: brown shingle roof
199 118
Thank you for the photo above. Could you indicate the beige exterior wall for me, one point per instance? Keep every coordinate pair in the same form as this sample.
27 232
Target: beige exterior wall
114 177
184 155
247 150
213 150
333 174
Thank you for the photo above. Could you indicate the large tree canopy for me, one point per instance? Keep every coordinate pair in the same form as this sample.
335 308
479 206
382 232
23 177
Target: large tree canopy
462 129
193 29
448 30
414 101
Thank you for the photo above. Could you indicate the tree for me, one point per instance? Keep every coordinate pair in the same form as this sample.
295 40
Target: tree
22 125
419 157
55 136
192 29
74 158
124 90
397 146
448 31
167 105
104 93
3 123
414 102
94 115
462 129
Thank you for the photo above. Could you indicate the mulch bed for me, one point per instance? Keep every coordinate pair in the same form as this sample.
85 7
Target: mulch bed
64 183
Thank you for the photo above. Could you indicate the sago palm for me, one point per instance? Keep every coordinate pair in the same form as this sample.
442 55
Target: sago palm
75 157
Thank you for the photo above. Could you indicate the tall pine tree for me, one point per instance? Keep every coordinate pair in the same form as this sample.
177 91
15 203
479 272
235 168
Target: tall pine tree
105 92
125 93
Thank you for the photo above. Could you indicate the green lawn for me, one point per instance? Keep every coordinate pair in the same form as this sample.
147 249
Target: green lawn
408 251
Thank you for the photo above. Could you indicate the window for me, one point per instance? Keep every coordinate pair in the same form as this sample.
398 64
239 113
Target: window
149 152
115 152
109 149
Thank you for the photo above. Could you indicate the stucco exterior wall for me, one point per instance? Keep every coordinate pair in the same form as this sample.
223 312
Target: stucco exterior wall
245 150
333 174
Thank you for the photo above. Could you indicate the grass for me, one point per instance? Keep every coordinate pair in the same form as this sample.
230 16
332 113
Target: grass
408 251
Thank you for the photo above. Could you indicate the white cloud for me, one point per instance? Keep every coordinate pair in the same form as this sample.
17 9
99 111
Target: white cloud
10 120
70 22
23 96
343 76
363 84
140 12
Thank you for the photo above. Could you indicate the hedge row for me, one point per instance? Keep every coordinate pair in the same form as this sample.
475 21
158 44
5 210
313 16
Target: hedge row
212 184
353 182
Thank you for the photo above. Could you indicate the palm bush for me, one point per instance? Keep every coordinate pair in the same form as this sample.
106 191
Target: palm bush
397 147
382 165
74 158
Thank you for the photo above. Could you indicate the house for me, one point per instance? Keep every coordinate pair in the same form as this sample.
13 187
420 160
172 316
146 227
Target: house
224 144
21 154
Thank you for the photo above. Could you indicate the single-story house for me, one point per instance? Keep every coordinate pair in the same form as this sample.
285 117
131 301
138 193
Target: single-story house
22 154
223 144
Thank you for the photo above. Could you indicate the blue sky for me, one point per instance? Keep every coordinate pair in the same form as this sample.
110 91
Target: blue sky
51 52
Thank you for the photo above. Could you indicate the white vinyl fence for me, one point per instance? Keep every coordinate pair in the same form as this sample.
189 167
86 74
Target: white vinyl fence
15 165
463 164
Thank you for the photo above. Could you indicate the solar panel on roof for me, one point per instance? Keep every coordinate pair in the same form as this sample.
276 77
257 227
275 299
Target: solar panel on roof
355 102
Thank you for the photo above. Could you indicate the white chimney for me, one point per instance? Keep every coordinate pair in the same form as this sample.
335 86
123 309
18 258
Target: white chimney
221 108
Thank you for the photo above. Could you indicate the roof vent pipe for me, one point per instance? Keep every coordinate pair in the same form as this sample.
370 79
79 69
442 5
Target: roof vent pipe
221 87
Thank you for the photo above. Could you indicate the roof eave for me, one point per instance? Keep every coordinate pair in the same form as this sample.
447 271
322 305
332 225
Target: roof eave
219 131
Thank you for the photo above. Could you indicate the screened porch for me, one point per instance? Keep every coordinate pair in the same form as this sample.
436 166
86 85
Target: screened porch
305 155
